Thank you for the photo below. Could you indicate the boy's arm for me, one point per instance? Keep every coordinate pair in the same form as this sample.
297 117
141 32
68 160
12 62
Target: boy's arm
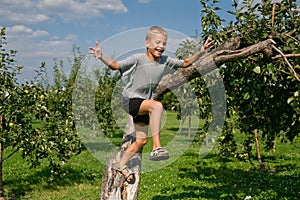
97 52
190 60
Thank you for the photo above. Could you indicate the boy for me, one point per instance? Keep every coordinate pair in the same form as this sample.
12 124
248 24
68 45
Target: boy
143 72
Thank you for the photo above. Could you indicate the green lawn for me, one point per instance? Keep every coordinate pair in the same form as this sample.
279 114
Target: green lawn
189 177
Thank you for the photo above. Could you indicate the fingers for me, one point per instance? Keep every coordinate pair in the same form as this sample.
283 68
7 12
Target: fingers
208 43
96 51
211 43
207 40
93 49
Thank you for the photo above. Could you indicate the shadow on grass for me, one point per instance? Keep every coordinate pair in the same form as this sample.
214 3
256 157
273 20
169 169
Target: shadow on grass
46 181
82 170
225 182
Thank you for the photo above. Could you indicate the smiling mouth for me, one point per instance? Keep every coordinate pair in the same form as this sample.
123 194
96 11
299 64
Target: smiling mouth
160 50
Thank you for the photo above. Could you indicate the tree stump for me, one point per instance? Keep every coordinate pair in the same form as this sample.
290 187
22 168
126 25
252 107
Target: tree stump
111 191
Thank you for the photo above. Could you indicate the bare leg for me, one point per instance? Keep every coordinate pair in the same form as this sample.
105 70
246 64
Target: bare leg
141 140
155 109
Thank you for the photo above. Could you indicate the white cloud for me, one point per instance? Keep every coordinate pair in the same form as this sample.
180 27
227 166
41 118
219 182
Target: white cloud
19 11
69 10
21 31
36 46
34 11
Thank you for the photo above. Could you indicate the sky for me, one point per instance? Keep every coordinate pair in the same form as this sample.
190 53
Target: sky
41 30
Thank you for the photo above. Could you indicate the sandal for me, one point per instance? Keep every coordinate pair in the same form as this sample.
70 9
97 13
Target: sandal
158 154
121 177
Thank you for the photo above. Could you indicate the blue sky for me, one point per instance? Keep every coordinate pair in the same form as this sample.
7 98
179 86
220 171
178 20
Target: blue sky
41 30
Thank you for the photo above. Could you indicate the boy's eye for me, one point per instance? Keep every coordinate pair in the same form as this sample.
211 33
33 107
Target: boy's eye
160 42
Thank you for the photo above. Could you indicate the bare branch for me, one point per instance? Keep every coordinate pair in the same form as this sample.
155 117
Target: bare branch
287 61
273 13
295 39
286 55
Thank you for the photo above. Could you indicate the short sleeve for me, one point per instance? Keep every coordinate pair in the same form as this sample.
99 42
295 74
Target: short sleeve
127 63
174 63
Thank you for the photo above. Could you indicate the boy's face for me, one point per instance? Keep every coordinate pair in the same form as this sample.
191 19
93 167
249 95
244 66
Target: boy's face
156 45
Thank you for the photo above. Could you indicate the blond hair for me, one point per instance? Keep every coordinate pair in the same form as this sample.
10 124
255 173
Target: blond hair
155 29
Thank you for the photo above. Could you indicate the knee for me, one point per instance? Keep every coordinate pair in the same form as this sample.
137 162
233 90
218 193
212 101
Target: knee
141 142
157 107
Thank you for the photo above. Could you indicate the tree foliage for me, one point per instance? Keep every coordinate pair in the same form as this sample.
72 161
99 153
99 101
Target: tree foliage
36 117
263 89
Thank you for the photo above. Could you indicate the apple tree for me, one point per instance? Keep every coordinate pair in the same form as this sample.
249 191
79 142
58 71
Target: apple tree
262 88
35 119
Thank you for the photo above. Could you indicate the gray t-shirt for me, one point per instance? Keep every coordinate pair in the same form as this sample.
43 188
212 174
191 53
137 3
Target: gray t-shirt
141 75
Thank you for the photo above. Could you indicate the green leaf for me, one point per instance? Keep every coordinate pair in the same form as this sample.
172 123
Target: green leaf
290 100
257 70
246 96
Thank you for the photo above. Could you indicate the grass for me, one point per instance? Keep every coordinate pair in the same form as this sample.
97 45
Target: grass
189 177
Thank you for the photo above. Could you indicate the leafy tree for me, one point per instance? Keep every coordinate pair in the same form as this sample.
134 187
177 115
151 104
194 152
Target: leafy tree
262 89
106 84
34 118
59 140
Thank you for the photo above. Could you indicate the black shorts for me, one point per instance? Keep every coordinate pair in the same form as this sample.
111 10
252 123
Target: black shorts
132 107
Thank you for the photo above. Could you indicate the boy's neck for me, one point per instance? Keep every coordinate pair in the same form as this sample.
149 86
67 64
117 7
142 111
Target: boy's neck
151 57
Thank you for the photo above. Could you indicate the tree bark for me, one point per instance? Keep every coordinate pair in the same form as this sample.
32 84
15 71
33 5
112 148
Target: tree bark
261 164
228 51
1 161
124 191
190 127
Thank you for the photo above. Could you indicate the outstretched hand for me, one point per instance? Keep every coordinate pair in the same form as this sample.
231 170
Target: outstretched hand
96 51
208 44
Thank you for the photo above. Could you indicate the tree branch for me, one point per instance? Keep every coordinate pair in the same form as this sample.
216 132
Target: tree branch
11 153
224 56
287 61
286 55
225 53
295 39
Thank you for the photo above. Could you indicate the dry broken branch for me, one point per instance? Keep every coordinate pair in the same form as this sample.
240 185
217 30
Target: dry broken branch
287 61
286 55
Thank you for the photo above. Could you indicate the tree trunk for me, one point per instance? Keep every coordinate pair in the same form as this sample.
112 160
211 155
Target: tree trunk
190 127
110 191
181 125
1 154
207 63
261 164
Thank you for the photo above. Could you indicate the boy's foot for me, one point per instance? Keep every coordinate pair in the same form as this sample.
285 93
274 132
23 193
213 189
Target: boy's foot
124 174
159 154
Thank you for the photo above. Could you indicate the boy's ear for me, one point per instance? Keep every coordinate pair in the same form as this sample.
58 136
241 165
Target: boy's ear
147 43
